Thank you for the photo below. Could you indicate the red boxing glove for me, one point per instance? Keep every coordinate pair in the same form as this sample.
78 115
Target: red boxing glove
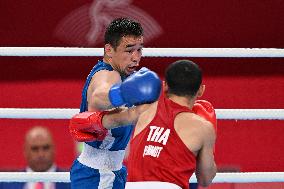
205 109
87 127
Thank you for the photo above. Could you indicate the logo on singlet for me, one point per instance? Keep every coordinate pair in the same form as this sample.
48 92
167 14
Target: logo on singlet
158 135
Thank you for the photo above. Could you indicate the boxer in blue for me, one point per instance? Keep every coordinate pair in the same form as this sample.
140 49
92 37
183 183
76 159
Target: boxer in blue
112 83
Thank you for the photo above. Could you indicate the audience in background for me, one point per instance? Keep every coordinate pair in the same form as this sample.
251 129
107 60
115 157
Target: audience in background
39 152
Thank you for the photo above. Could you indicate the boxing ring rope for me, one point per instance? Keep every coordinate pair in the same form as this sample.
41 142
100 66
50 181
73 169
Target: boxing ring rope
61 113
147 52
67 113
244 177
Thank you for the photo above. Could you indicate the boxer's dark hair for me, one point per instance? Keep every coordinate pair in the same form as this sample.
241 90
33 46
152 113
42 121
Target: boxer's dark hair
183 78
122 27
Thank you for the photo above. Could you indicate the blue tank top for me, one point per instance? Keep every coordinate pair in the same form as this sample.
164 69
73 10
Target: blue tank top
118 138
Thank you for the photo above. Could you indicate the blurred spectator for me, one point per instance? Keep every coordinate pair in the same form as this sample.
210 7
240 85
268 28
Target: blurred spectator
39 152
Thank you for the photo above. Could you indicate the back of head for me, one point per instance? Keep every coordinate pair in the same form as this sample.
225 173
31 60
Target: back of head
183 78
122 27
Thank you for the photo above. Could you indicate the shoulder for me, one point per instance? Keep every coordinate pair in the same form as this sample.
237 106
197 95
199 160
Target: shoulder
193 130
105 77
206 126
107 74
187 121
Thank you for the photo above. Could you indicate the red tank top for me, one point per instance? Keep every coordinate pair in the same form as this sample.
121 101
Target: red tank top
157 153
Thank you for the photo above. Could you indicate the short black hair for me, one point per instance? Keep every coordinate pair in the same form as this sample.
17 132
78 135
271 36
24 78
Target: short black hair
122 27
183 78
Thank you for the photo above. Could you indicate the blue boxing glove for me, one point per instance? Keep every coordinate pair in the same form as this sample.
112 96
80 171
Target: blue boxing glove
141 87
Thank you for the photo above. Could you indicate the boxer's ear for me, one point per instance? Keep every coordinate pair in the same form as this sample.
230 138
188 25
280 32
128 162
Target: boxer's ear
108 50
200 91
165 87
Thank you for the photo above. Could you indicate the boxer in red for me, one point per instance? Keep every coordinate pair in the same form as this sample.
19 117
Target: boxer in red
174 136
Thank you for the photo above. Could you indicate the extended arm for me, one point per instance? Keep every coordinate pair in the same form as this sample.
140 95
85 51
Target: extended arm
90 126
125 117
141 87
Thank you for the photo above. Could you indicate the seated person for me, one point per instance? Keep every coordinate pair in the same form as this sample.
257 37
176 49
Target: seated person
39 153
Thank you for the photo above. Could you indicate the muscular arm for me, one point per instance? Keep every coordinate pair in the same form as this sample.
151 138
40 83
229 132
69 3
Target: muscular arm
199 136
120 117
206 167
105 92
98 90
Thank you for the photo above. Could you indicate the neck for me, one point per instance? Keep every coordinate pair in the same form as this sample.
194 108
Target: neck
108 60
182 100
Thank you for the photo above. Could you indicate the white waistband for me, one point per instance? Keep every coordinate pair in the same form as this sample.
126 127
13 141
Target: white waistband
101 159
